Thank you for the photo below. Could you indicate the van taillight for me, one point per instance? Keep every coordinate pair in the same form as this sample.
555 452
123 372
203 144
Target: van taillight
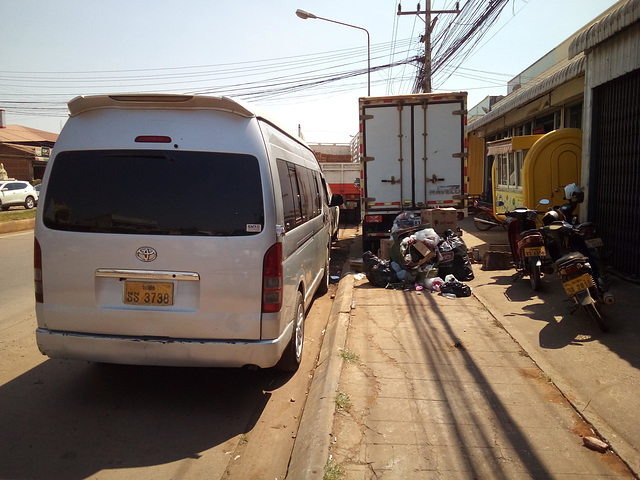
37 271
152 139
272 280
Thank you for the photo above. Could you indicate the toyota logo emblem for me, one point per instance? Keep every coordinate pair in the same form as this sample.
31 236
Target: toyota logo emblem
146 254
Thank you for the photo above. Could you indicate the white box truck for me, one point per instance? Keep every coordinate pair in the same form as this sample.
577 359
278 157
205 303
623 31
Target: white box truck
413 154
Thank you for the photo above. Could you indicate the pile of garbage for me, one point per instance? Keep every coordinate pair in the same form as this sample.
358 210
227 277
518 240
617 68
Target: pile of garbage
422 259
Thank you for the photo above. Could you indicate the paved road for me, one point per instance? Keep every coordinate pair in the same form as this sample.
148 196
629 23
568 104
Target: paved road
70 419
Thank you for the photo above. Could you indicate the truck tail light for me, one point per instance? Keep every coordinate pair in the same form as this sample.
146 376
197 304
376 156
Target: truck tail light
37 271
272 282
373 218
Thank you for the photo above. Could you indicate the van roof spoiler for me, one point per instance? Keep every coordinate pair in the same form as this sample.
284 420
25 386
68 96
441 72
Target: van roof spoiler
164 101
134 101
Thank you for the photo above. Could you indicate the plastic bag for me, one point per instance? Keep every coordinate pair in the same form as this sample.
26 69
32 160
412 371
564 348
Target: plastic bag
456 288
453 258
428 236
378 272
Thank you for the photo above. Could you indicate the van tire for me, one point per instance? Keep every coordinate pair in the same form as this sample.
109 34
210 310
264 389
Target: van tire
292 355
324 283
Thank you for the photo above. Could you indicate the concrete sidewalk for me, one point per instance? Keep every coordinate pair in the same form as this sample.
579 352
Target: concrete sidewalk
439 389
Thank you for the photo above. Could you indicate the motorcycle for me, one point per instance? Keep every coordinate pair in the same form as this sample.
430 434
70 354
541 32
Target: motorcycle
585 237
527 243
483 218
575 269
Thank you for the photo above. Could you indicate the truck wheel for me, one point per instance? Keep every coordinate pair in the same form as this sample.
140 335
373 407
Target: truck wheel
292 355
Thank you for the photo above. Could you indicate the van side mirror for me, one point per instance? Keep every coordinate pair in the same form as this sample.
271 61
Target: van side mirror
336 200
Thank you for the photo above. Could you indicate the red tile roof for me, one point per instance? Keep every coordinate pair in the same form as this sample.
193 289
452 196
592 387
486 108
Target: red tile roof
20 134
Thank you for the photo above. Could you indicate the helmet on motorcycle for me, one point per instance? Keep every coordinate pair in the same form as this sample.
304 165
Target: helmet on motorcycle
573 192
552 216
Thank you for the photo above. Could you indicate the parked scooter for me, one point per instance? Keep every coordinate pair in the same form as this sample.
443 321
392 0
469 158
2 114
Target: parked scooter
576 272
586 238
527 243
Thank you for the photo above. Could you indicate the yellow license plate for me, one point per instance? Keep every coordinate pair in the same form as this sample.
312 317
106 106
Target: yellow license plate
578 284
534 252
148 293
594 242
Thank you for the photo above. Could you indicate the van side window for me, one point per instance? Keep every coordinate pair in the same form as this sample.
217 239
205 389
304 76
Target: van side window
317 195
301 198
290 194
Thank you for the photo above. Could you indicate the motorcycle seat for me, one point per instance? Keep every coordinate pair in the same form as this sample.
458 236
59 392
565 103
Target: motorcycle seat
571 257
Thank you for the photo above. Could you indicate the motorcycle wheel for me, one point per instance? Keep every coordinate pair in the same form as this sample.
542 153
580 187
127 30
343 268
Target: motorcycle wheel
534 274
594 314
482 215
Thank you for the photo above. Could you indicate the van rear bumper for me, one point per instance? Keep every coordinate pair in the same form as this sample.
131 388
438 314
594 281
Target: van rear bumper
161 351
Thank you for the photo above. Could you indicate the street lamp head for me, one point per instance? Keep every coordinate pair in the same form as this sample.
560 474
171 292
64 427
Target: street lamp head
304 15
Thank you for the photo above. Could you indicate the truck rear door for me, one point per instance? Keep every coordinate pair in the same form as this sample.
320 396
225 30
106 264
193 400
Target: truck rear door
413 155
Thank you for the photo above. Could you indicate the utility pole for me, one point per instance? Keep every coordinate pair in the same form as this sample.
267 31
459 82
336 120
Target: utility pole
428 27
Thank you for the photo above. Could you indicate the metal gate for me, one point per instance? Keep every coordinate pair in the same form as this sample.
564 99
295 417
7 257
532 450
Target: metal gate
614 172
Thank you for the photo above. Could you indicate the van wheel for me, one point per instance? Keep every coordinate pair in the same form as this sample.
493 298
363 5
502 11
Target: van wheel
292 355
29 203
324 283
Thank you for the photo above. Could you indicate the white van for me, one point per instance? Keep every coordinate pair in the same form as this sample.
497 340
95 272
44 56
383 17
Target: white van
178 230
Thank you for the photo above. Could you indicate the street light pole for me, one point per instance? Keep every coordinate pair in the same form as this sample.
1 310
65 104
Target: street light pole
304 15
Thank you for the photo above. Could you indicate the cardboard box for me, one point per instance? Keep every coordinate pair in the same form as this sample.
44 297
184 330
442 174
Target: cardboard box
425 251
440 219
385 249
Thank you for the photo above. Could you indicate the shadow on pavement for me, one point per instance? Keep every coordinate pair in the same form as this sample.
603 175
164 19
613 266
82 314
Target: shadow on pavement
69 420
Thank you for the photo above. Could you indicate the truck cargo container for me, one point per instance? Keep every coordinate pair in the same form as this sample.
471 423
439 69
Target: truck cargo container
413 155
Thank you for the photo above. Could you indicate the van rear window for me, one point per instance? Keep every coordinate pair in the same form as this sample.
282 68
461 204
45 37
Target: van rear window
155 192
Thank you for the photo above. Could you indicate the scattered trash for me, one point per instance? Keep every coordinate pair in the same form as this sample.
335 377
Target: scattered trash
359 276
379 272
419 258
334 277
356 264
453 286
596 444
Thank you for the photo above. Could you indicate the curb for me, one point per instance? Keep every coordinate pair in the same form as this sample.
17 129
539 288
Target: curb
311 447
17 225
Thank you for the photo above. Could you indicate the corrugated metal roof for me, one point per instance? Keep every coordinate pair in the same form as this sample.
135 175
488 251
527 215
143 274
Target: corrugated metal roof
20 134
526 94
619 19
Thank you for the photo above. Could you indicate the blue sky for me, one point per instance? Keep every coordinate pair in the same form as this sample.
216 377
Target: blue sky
54 50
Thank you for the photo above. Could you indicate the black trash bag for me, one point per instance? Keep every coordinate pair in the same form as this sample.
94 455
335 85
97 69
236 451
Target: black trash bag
459 289
378 272
455 260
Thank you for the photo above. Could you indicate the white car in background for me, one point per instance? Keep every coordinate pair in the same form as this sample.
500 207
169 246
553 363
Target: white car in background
15 193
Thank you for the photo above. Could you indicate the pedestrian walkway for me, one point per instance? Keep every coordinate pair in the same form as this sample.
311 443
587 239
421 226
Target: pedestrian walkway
431 387
440 390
